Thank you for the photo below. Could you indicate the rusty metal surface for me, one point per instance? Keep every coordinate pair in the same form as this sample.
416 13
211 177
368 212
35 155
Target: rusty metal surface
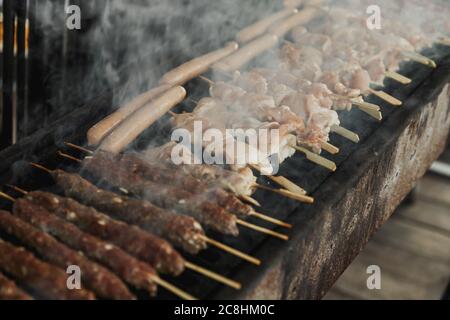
353 203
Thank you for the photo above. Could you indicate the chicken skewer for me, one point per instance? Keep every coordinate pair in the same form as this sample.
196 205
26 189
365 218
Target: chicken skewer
289 143
175 77
394 47
100 280
132 239
135 272
149 212
260 106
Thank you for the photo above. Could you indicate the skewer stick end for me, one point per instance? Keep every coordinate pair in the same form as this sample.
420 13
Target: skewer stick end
7 197
40 167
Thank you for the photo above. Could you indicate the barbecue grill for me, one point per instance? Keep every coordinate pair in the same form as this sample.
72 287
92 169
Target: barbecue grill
371 179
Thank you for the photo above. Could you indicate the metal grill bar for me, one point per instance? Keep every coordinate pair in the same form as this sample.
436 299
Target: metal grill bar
22 102
8 118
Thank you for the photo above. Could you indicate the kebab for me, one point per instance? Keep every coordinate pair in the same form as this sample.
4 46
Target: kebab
168 197
311 124
280 84
100 280
151 170
132 239
47 280
231 98
310 101
181 230
10 291
157 173
133 271
344 77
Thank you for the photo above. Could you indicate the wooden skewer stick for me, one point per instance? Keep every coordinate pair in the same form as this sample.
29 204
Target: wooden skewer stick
272 220
350 135
417 57
7 197
288 185
282 181
189 265
371 109
212 275
262 230
231 250
329 147
171 288
386 97
250 200
317 159
365 105
397 77
207 80
79 148
208 240
68 156
287 194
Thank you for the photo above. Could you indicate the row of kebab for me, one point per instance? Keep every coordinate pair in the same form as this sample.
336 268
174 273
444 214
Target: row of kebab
123 239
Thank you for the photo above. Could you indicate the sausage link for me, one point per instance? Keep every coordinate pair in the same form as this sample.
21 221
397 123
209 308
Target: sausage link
105 126
182 231
197 66
127 131
258 28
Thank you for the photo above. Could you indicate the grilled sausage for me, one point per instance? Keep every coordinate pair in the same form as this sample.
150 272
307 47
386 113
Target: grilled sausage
197 66
49 281
261 26
97 278
133 271
102 128
140 120
251 50
301 18
10 291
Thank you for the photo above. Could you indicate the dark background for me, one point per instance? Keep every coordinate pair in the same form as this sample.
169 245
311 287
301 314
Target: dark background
121 44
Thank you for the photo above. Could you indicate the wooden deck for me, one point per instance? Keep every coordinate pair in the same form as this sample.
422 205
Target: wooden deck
412 249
